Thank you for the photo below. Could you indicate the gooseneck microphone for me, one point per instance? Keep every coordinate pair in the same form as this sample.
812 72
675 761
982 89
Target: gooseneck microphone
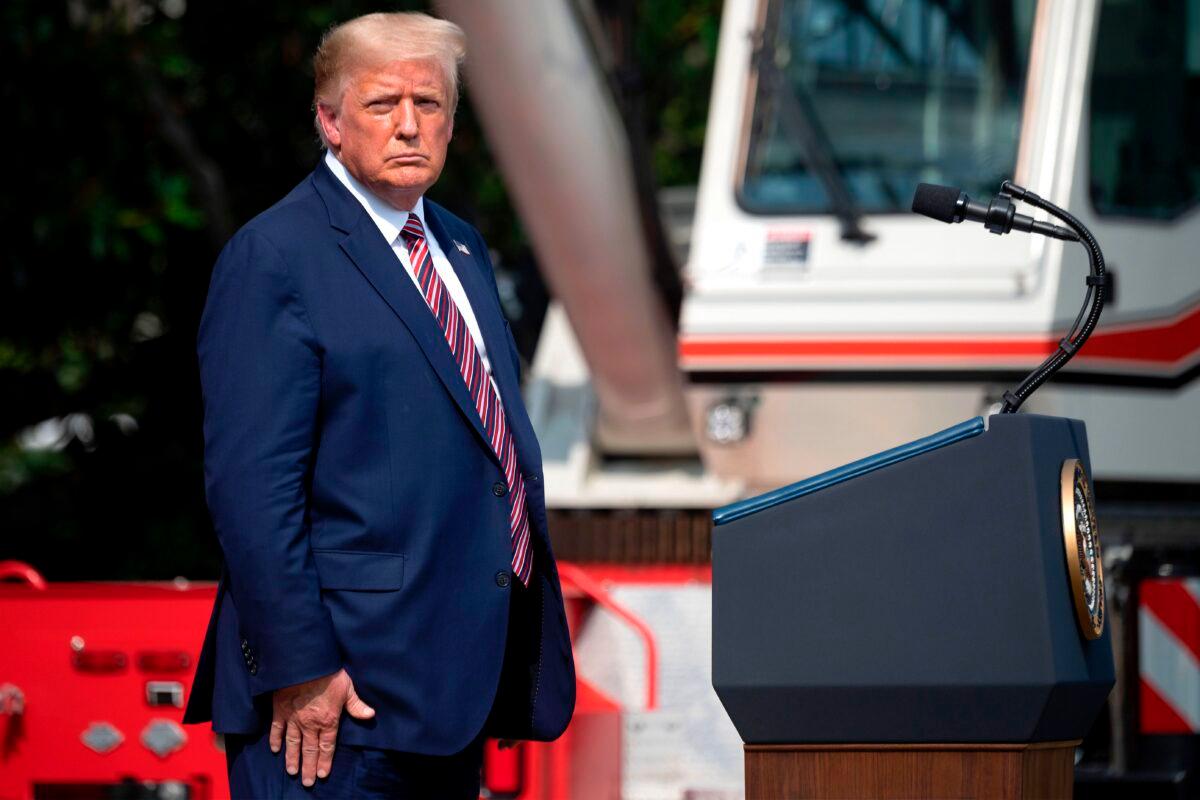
948 204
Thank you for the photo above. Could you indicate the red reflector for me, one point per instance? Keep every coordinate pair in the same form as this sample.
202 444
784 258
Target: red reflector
502 773
99 660
163 660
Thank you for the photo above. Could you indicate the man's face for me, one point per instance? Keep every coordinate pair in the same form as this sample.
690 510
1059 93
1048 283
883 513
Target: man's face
393 127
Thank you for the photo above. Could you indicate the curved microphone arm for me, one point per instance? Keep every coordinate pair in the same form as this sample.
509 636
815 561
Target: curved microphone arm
1089 314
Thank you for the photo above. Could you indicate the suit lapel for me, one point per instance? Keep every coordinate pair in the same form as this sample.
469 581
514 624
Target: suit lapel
470 270
373 257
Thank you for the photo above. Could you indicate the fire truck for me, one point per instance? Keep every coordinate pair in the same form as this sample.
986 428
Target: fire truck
785 316
94 677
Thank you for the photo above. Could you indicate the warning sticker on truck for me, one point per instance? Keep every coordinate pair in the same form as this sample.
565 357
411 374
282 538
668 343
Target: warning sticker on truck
786 248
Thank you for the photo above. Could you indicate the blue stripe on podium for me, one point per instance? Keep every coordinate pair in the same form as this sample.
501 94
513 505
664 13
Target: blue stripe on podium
752 505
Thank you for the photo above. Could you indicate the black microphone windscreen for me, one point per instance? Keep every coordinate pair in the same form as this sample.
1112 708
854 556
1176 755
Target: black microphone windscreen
936 201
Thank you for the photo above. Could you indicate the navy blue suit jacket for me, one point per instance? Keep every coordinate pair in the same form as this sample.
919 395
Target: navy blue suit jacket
350 484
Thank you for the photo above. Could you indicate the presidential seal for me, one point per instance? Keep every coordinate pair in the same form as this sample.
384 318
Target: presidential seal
1082 542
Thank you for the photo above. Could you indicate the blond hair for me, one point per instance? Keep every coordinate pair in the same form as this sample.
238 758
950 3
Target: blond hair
376 38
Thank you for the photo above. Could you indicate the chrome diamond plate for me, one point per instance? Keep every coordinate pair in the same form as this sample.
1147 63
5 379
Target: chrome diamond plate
101 737
163 737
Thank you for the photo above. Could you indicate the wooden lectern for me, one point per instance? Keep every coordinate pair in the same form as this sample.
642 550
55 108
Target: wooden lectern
924 623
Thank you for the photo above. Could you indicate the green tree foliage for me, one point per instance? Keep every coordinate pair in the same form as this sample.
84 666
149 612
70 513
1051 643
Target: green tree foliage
676 47
142 134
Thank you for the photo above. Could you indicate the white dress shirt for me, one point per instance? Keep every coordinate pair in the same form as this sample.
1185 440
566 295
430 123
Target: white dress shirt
390 221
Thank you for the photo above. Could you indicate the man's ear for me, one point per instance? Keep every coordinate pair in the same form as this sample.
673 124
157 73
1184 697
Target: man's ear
327 116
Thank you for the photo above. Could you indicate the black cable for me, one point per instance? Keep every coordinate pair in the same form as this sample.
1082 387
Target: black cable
1093 301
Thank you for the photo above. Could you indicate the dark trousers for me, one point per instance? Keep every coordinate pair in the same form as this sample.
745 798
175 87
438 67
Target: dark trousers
255 773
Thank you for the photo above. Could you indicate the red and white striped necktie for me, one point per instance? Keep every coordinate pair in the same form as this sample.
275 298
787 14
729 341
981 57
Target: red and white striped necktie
487 402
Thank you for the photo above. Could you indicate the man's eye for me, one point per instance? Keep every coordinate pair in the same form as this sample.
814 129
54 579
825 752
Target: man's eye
428 103
379 105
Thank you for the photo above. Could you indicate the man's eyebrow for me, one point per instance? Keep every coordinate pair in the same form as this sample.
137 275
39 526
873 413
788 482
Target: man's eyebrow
378 92
381 91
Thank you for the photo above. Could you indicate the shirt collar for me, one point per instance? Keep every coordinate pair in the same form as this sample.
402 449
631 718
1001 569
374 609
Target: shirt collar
389 219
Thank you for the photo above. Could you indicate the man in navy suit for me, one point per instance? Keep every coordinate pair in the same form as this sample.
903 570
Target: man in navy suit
389 596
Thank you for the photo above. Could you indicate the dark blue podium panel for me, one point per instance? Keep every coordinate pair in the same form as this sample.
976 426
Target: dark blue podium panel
926 600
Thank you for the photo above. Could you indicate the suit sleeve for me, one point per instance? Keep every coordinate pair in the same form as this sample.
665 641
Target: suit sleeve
260 373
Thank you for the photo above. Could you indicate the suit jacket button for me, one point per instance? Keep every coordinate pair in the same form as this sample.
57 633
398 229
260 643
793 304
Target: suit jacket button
499 489
245 646
502 579
254 669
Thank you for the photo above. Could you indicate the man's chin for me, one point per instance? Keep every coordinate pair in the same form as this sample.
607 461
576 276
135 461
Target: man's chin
397 184
408 178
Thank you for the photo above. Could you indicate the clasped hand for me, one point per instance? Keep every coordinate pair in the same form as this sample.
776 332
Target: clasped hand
306 717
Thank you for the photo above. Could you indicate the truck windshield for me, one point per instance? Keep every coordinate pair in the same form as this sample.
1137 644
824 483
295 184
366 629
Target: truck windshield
857 101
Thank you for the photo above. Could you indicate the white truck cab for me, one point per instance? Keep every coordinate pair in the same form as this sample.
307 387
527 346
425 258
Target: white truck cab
824 321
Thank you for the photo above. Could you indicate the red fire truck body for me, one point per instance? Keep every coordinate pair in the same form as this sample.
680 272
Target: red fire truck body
94 678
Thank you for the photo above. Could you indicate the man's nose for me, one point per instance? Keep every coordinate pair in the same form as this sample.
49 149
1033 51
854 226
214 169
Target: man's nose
406 121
